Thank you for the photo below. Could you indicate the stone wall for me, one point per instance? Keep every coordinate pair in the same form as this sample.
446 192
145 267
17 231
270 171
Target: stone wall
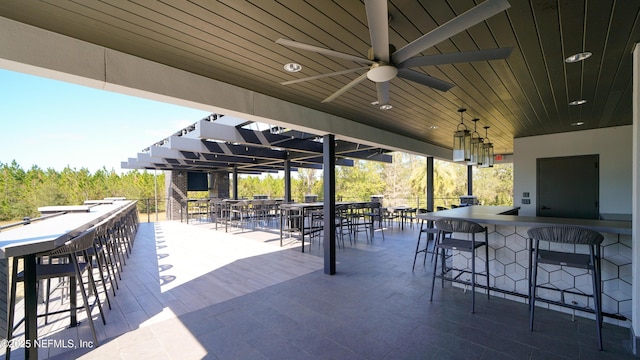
176 185
219 185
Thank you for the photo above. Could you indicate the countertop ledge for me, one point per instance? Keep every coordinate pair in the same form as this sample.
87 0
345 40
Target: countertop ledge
493 215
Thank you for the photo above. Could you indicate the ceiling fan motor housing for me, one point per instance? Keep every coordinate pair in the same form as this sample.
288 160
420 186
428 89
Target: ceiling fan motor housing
382 73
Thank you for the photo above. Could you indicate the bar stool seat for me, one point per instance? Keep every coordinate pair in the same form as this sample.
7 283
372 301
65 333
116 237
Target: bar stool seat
451 226
590 261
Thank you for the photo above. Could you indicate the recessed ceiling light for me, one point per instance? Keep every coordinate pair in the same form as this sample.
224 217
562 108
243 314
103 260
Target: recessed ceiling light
578 102
433 127
374 102
292 67
578 57
578 123
385 107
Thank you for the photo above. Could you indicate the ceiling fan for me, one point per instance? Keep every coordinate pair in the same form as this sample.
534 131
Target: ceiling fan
385 63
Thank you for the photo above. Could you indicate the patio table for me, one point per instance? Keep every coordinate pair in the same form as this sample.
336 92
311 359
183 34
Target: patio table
293 215
296 213
29 240
402 209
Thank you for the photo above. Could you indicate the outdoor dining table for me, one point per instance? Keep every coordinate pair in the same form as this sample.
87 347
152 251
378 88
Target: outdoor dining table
402 211
295 214
28 240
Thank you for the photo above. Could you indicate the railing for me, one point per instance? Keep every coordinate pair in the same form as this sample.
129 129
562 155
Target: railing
152 209
155 209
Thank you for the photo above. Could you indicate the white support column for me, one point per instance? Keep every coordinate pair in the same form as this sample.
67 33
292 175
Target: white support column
635 325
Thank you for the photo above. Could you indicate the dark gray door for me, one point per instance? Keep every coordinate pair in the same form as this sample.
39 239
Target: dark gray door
568 187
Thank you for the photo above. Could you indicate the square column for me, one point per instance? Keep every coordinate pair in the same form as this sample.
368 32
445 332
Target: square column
219 185
176 185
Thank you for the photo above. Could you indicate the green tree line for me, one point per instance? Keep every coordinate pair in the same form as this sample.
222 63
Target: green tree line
23 191
402 182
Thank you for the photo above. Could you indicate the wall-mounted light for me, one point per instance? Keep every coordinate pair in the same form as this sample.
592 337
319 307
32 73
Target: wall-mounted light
462 140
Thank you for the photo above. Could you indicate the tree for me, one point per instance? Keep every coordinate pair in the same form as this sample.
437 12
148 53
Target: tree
23 192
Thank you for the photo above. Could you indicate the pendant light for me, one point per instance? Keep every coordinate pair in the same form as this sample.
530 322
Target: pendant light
477 149
461 140
488 150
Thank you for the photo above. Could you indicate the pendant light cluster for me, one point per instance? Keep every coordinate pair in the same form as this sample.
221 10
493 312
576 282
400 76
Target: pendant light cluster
469 147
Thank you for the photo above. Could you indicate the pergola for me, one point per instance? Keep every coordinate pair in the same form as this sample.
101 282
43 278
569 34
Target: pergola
217 143
222 145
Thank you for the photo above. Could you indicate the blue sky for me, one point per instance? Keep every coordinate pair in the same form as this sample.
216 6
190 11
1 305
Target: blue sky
53 124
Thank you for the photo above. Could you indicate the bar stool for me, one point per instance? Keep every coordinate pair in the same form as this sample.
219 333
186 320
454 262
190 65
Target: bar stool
343 223
426 227
359 221
443 243
74 269
591 262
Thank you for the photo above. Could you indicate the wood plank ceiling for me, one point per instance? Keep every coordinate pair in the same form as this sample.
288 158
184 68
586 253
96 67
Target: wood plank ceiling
524 95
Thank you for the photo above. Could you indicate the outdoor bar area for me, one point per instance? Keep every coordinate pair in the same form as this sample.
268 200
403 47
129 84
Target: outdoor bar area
548 271
109 227
509 260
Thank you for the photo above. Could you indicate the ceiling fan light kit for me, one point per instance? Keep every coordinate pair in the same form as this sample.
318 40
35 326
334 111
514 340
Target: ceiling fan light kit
385 63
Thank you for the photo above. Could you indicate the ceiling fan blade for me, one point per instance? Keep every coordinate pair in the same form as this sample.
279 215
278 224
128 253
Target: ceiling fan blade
452 58
383 93
454 26
424 79
378 20
348 71
323 51
353 83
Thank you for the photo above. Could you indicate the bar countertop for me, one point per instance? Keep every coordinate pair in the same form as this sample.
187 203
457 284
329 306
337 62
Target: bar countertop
495 215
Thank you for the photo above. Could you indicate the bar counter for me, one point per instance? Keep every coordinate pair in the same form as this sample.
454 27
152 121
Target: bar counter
507 215
509 258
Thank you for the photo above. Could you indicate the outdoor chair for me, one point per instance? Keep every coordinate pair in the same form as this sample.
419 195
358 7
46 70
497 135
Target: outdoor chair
375 214
450 244
409 216
359 221
389 216
239 214
343 223
579 237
